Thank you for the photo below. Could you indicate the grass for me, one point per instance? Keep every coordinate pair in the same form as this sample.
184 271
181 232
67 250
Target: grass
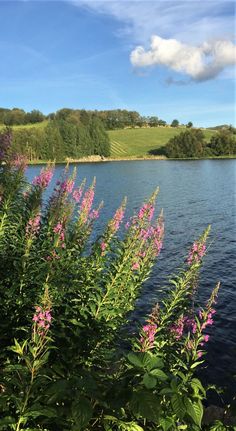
27 126
140 142
128 143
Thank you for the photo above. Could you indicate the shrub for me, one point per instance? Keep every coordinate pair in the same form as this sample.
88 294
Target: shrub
186 144
64 305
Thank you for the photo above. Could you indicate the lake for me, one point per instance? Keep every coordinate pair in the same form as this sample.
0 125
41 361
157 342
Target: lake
193 195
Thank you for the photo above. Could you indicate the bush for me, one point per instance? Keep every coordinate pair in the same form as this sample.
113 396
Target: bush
186 144
64 302
223 143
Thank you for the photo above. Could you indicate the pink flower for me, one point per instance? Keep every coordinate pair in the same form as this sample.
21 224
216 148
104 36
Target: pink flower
206 338
77 194
103 246
86 204
67 186
199 354
148 338
42 319
33 226
196 252
135 266
44 178
178 328
147 210
94 214
58 228
19 162
116 221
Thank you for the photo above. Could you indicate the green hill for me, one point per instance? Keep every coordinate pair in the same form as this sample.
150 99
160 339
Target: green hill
127 143
142 142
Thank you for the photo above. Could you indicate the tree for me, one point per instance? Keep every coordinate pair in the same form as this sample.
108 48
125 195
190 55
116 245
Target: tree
34 116
223 143
99 137
189 125
187 144
175 123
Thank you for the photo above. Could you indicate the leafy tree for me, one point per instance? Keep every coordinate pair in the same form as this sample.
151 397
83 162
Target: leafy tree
53 148
15 116
34 116
223 143
186 144
175 123
189 125
99 137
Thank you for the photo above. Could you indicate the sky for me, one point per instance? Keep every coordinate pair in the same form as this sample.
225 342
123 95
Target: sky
172 59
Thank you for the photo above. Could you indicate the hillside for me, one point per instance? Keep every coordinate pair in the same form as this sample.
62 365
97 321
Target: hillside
127 143
141 142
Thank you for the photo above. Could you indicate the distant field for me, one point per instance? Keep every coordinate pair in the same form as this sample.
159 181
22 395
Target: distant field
138 142
27 126
132 142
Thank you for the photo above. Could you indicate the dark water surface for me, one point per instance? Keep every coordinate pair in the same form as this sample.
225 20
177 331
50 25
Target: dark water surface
193 194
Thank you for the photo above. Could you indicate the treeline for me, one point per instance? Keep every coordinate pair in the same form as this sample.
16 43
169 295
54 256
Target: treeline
192 143
62 138
111 119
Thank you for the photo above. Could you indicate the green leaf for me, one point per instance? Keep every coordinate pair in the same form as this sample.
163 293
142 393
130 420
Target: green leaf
159 374
150 361
196 364
145 405
178 406
149 381
42 411
166 423
197 386
8 420
81 413
166 391
136 359
194 410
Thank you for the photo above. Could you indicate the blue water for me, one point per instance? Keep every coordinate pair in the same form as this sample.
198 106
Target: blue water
193 195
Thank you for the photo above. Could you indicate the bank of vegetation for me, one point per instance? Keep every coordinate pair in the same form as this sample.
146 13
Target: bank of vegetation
75 134
65 302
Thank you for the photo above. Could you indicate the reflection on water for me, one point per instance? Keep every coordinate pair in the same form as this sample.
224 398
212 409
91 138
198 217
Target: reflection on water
193 194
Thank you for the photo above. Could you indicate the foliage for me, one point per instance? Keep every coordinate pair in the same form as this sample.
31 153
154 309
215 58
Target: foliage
223 142
64 304
141 142
175 123
186 144
61 139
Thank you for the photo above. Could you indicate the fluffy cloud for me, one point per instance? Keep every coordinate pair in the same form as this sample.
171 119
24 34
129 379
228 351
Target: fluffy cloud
200 63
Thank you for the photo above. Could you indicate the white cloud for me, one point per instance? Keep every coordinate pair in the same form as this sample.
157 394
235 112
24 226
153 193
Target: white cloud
186 20
200 63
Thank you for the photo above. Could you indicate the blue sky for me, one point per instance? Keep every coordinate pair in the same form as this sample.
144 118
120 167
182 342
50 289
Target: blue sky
173 59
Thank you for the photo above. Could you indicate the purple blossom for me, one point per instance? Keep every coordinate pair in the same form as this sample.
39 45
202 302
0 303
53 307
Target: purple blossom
103 247
42 319
86 204
67 186
44 178
19 162
33 226
77 193
196 253
135 266
147 210
114 224
148 338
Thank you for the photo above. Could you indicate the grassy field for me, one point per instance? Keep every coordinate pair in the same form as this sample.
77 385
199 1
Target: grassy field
27 126
140 142
128 143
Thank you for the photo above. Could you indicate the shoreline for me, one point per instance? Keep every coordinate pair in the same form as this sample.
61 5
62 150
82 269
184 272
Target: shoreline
99 159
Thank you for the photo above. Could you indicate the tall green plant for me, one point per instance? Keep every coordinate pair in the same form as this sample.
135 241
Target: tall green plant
64 306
